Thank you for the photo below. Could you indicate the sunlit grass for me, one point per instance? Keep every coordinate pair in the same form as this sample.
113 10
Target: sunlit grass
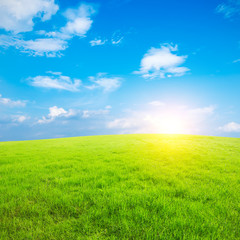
121 187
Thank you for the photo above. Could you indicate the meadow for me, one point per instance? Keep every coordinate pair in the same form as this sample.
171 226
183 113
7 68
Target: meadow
138 186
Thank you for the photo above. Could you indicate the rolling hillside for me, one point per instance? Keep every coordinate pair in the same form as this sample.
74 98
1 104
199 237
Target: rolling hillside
121 187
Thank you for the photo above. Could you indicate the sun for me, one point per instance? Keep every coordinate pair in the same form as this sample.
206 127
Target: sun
170 123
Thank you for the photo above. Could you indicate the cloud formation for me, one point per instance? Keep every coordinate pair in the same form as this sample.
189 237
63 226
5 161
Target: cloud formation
51 44
56 112
108 84
78 20
116 39
50 47
97 42
17 15
12 103
19 118
162 62
55 81
230 127
60 113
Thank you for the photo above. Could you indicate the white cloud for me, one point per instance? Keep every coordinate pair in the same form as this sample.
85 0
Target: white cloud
162 62
12 103
50 47
78 27
117 41
79 21
117 38
229 9
12 120
56 82
53 43
18 15
43 46
157 103
230 127
97 42
55 112
60 113
108 84
19 118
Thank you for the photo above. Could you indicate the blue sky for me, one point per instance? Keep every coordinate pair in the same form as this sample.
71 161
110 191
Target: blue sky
73 68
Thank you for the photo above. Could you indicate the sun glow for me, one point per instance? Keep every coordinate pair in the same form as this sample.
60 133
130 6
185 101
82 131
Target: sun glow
169 123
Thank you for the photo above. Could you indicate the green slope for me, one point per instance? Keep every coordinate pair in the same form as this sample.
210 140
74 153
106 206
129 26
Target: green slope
121 187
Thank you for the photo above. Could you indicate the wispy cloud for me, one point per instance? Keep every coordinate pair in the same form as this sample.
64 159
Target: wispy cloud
117 38
102 81
229 9
94 113
19 118
230 127
50 47
97 42
236 61
55 81
12 119
62 114
162 62
17 15
12 103
116 41
202 111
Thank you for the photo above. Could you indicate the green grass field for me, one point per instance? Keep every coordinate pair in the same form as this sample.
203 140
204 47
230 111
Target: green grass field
121 187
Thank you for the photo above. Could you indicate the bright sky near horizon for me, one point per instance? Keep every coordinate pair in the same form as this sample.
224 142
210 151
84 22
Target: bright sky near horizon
74 68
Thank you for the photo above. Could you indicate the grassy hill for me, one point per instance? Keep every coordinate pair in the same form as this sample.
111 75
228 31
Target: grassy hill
121 187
